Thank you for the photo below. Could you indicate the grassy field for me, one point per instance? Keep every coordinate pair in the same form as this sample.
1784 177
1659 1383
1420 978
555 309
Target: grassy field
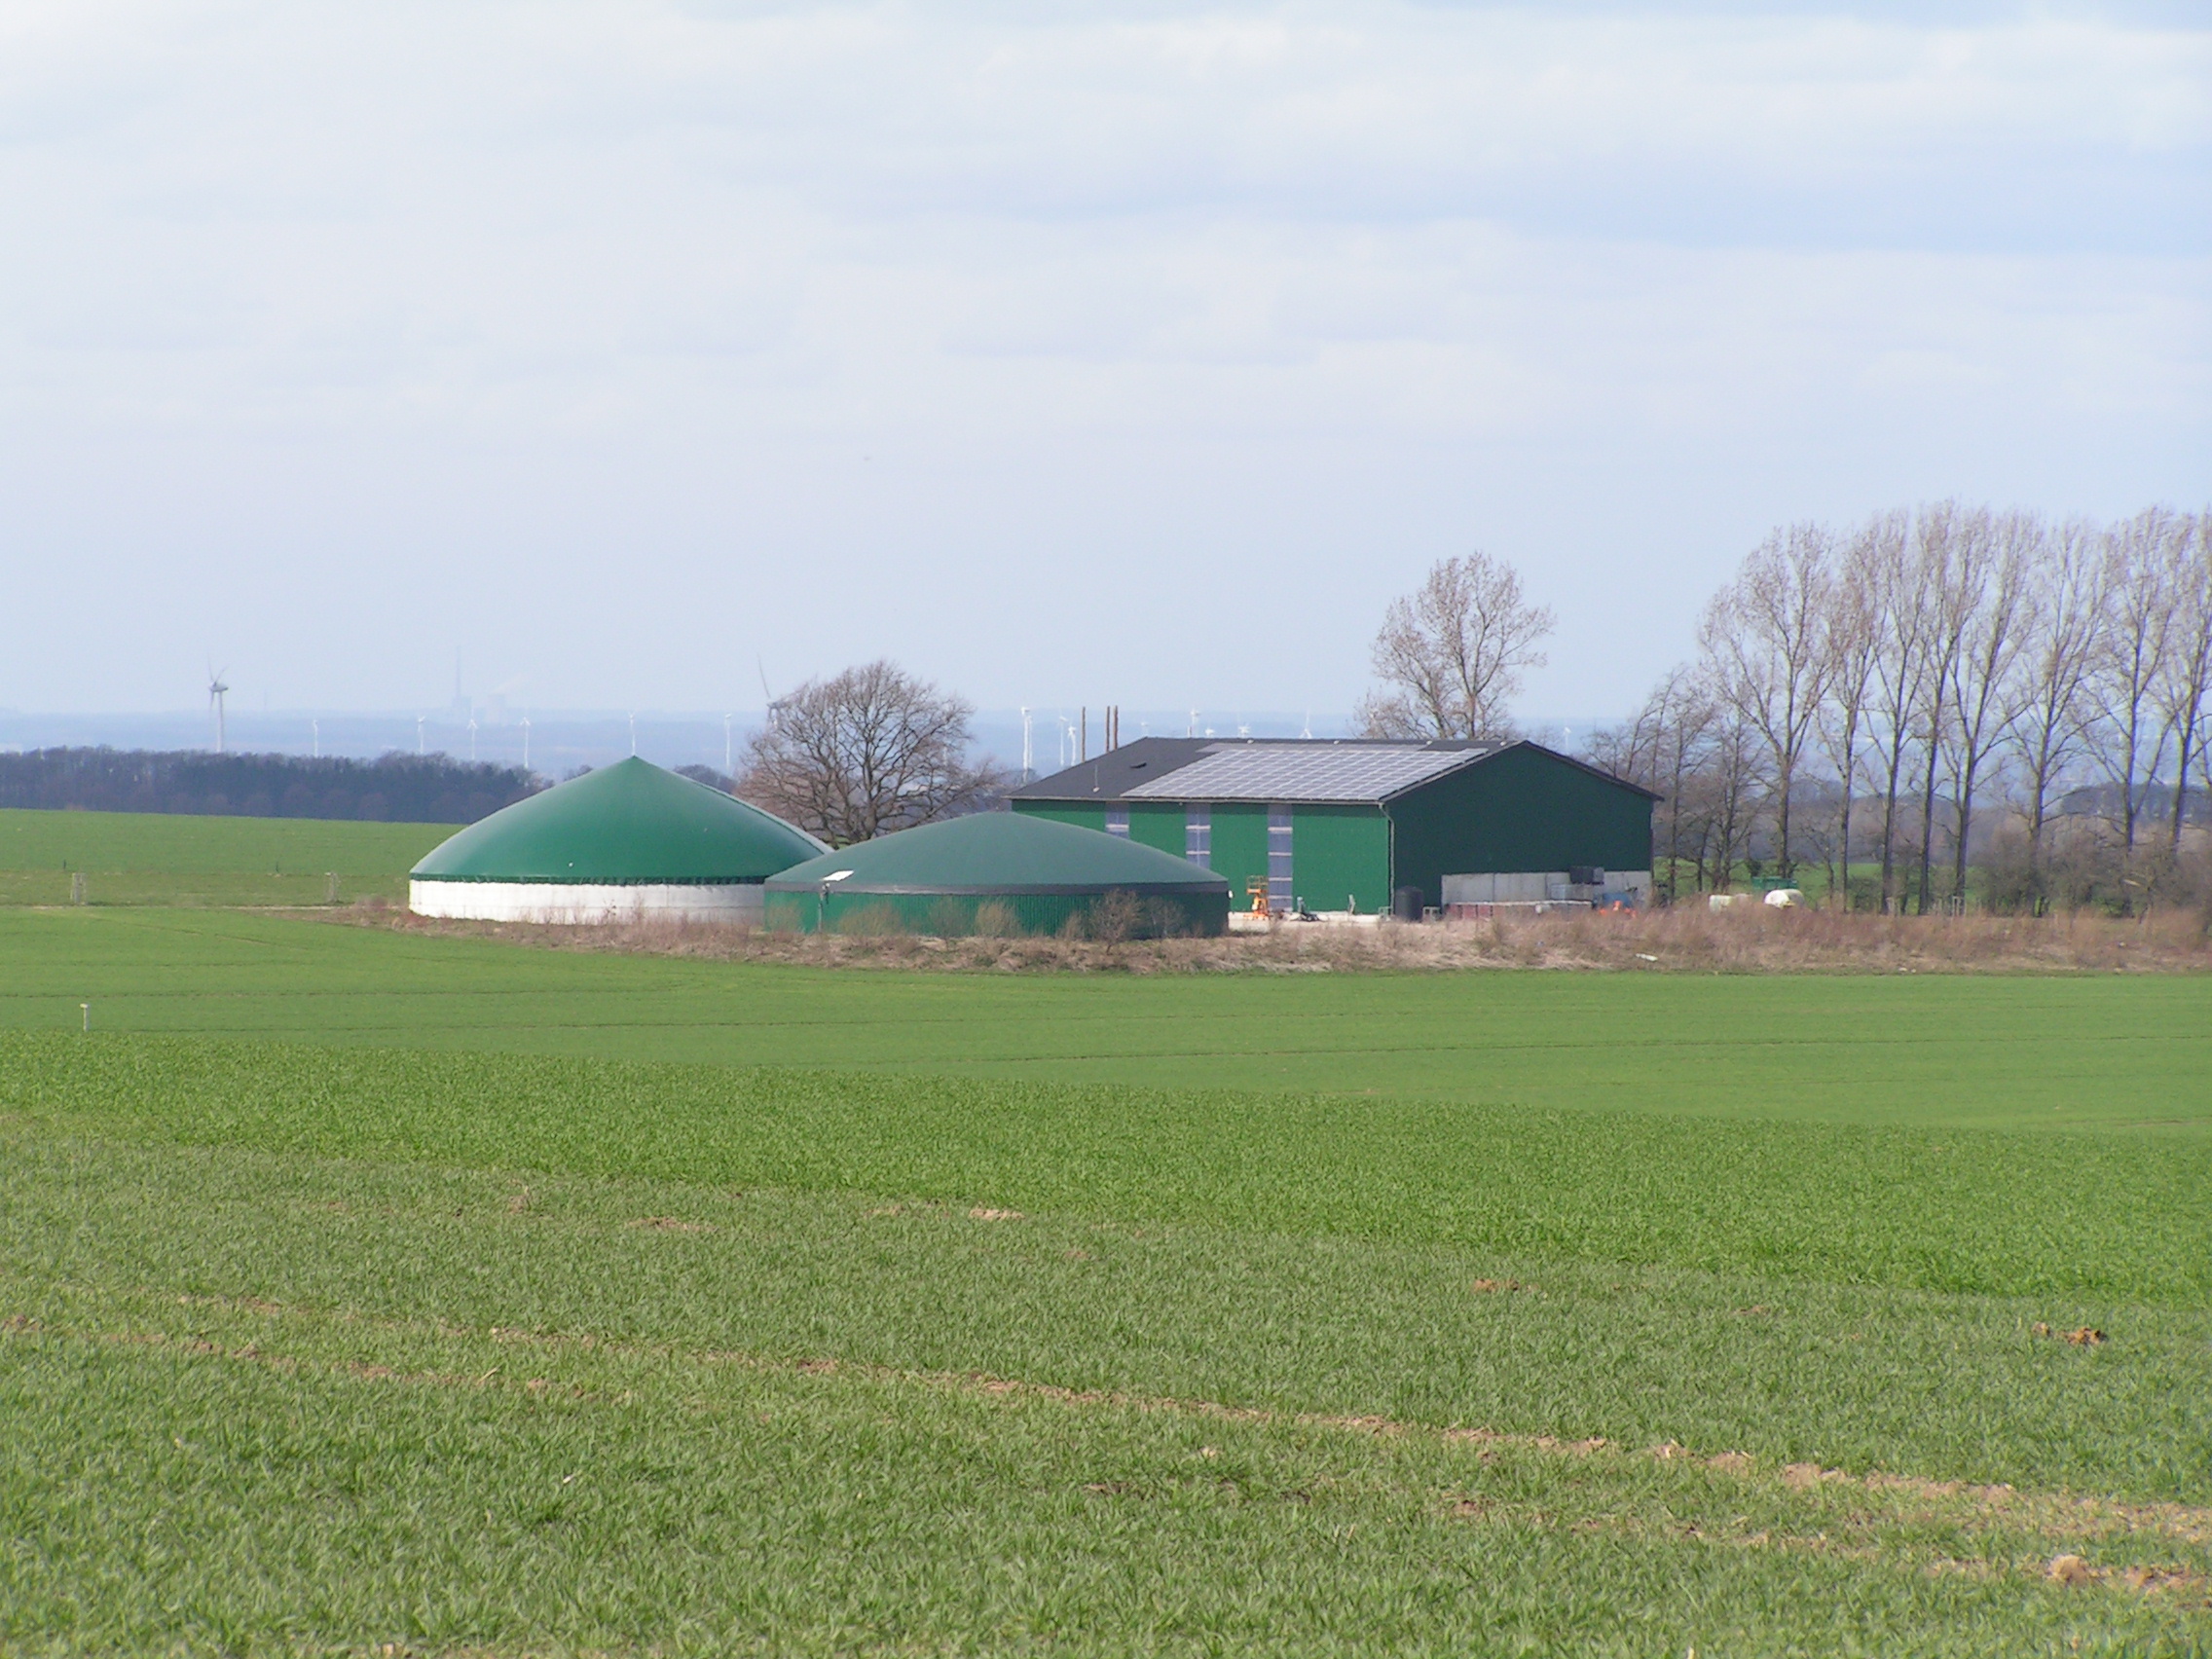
1992 1051
528 1354
131 857
362 1288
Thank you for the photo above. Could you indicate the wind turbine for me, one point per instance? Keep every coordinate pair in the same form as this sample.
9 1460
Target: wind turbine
775 704
215 693
525 743
1028 769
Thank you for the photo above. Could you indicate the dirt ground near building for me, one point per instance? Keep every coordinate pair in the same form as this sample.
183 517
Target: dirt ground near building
1681 939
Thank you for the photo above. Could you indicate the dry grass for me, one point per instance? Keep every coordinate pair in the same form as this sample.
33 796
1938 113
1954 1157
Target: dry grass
1685 939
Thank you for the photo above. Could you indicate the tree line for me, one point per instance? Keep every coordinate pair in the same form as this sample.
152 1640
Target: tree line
398 789
1936 685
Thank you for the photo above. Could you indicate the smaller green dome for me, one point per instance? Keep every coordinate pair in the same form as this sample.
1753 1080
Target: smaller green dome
625 824
999 852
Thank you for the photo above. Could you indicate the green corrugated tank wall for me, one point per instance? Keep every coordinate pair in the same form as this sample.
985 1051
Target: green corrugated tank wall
998 871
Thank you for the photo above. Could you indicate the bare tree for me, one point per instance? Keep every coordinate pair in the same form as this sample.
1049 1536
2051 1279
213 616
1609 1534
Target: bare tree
1901 679
1765 637
1995 569
1664 748
2139 618
2185 680
1722 793
1926 655
870 751
1854 631
2064 636
1944 535
1451 653
1628 750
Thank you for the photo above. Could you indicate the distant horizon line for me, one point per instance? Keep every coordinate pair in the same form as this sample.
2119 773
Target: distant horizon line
447 715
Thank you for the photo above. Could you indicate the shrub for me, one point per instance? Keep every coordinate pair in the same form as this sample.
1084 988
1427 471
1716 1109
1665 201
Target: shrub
950 918
995 918
870 921
1116 916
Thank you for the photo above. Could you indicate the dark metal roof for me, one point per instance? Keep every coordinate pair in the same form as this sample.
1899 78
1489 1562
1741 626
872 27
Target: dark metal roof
1114 774
1277 769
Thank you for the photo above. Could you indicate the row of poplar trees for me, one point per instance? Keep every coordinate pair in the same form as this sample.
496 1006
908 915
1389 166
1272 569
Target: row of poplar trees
1890 692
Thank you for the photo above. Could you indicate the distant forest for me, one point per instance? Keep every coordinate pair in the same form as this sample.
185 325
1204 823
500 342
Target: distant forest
393 789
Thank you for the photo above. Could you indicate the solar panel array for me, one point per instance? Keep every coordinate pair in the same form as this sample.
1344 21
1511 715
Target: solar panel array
1263 771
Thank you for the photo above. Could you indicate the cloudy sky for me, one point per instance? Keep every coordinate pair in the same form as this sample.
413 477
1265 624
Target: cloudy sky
1067 353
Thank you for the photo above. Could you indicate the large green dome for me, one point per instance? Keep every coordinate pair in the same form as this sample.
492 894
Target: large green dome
628 823
1042 873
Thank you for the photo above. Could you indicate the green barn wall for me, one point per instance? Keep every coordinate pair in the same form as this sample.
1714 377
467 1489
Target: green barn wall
1338 853
1067 812
1523 810
1239 847
1157 824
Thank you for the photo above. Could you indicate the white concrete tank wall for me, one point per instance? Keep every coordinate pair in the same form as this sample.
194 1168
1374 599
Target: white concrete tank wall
578 903
1537 886
1502 887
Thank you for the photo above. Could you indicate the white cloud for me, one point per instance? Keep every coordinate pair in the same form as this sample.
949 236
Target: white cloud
1277 299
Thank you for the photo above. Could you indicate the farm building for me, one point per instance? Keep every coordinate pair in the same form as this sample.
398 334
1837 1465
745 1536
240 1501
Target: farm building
1363 825
998 872
624 841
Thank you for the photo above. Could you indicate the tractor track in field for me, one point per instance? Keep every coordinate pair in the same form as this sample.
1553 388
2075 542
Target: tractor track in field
2070 1520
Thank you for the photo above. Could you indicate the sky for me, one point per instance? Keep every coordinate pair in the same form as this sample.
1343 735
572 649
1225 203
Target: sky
1067 354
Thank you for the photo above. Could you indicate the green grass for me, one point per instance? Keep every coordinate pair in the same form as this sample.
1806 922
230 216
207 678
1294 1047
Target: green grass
2114 1215
1978 1051
274 1401
358 1287
135 857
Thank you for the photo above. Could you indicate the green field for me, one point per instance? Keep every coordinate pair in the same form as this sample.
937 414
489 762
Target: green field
133 858
362 1288
1984 1051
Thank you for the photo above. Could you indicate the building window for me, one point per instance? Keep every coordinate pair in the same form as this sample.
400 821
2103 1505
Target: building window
1118 821
1280 896
1197 835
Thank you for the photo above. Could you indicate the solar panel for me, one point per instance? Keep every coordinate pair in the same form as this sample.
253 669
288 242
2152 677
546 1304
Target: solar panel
1261 771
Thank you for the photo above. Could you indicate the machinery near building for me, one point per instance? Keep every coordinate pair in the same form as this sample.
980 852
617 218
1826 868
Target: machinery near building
626 841
999 873
1359 826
